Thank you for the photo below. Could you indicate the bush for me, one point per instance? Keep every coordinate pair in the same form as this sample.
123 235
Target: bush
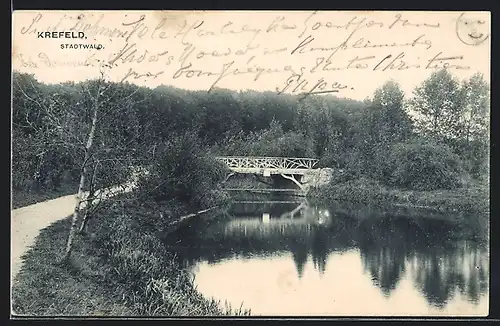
181 170
422 165
364 190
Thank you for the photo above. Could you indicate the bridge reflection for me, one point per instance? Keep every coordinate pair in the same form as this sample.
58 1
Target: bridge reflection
257 217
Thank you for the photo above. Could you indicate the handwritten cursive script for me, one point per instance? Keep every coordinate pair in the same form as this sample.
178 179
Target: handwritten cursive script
301 53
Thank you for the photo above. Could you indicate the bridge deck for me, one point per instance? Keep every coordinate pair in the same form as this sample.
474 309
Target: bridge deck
261 189
269 165
269 170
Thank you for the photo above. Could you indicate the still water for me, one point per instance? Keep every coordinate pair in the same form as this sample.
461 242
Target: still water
290 258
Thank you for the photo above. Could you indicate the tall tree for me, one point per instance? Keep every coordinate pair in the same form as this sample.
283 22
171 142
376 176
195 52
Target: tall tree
392 119
437 103
456 113
384 123
472 131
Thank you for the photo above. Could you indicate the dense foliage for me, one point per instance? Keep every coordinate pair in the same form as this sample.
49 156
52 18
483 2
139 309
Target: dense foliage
424 166
136 126
182 170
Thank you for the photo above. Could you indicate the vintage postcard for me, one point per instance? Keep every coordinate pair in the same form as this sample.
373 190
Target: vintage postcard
250 163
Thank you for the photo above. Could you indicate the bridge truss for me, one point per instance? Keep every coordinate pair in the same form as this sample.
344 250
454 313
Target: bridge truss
242 163
287 167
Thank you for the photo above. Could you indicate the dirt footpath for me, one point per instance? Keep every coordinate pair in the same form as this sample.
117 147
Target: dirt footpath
26 223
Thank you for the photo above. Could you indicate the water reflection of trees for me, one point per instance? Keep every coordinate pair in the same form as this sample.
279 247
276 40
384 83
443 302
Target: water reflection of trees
431 253
440 268
440 272
300 252
319 250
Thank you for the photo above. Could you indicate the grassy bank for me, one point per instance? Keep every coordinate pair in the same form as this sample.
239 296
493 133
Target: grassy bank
119 267
370 192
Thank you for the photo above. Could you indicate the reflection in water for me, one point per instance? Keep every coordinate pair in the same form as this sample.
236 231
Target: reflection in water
300 252
433 255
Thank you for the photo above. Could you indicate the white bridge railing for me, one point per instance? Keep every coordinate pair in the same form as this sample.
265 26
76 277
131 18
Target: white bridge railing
249 162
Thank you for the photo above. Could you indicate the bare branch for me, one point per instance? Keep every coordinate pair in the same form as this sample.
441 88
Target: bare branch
86 89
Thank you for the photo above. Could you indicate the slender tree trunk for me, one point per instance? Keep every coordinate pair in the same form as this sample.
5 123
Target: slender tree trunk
79 196
74 221
92 191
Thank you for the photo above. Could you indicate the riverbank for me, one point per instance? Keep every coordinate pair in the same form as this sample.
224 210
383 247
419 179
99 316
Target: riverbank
471 199
119 267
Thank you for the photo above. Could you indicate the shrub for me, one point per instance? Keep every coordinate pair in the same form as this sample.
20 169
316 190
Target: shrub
355 190
422 165
181 170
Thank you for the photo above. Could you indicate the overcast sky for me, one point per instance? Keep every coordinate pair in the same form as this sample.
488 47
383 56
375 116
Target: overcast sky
292 52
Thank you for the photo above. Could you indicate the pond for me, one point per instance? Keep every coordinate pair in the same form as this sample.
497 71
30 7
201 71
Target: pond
289 258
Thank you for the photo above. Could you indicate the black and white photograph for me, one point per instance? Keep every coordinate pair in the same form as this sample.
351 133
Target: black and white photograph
250 163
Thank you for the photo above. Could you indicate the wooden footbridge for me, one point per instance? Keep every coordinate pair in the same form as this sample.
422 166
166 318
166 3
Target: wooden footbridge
287 167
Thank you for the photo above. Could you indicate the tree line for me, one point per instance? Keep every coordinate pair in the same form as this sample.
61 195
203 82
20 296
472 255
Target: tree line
96 134
51 121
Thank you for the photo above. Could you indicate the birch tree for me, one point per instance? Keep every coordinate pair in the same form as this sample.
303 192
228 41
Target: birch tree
85 166
86 120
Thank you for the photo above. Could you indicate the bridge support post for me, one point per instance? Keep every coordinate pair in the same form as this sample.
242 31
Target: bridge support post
228 176
292 178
